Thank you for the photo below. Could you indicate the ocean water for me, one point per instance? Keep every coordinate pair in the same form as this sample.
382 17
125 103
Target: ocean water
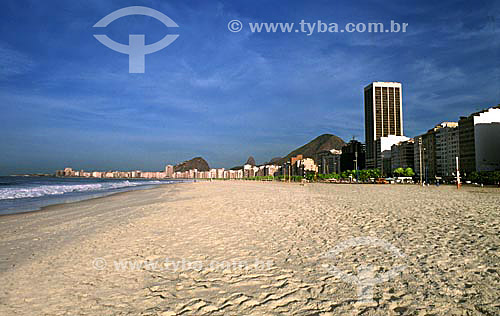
22 194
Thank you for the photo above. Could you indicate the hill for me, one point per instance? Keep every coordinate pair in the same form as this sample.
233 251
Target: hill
251 161
275 160
320 143
195 163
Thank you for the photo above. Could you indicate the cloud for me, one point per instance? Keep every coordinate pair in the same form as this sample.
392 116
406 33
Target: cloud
13 62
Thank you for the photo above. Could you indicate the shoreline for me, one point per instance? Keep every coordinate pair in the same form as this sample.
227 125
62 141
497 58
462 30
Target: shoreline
86 197
95 199
156 186
62 219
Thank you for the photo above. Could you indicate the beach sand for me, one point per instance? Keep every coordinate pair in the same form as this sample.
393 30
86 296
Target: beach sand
257 248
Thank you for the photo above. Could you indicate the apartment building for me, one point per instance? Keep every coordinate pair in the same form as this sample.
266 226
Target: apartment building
352 156
383 147
447 149
329 161
479 141
402 155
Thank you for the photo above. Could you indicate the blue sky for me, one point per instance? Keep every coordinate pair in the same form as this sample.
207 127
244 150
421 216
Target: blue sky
67 100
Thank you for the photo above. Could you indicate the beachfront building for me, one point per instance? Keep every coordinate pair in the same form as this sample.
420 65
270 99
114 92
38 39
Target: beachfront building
271 170
402 155
305 166
68 172
425 150
97 174
81 174
135 174
293 160
183 174
220 173
169 171
383 147
146 175
352 156
298 166
260 171
290 167
447 150
328 161
247 171
213 173
479 141
266 170
193 173
236 174
233 174
204 175
383 115
435 152
250 171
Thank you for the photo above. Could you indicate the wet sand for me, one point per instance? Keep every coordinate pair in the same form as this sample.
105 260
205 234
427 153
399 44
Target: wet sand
257 248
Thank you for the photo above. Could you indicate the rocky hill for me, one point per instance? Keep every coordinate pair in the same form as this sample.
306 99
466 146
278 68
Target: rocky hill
320 143
195 163
250 161
275 160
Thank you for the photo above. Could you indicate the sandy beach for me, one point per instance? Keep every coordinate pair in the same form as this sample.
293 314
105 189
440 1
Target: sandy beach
257 248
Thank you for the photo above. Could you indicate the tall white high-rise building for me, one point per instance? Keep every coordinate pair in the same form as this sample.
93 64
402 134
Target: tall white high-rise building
383 115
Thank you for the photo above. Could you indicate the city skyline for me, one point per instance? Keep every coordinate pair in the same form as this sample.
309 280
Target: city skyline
68 100
472 142
392 134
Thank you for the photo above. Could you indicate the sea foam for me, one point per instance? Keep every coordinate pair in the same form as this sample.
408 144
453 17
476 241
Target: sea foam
43 190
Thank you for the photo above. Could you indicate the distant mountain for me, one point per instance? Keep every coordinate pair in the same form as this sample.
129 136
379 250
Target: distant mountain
195 163
320 143
250 161
275 160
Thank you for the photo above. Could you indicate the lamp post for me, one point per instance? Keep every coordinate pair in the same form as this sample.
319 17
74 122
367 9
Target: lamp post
420 158
425 166
356 164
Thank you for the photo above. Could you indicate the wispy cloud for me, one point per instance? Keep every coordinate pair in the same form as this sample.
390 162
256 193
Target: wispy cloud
13 62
